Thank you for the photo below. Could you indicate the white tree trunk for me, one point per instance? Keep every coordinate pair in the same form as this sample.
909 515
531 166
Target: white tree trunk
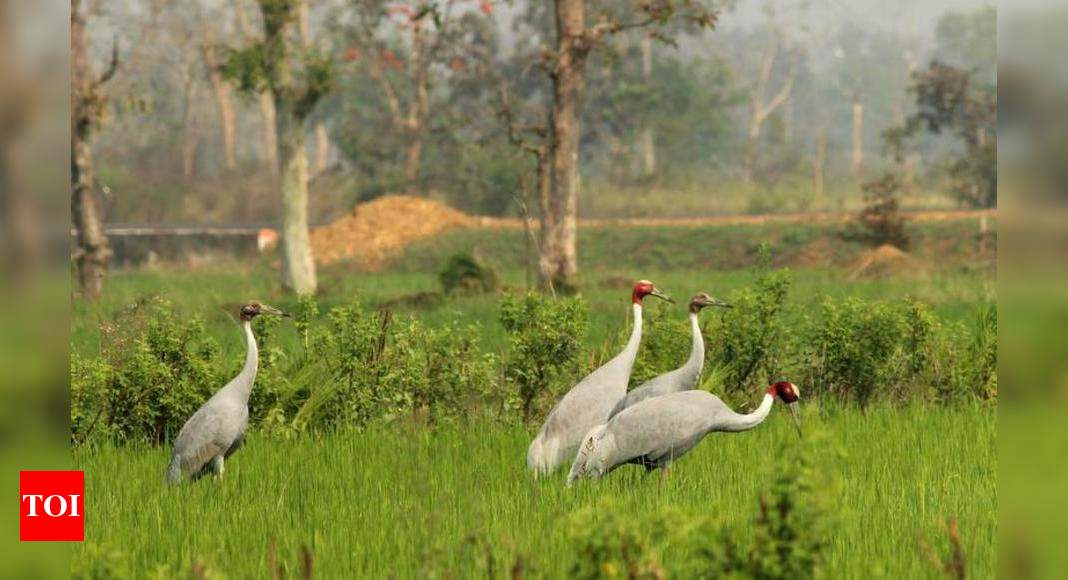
322 147
857 158
298 266
270 131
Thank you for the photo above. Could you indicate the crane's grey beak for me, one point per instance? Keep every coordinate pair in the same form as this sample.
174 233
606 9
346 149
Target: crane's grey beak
661 296
720 303
272 310
796 414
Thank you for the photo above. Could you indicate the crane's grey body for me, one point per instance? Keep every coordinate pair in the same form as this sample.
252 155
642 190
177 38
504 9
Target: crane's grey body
217 429
585 406
683 378
657 431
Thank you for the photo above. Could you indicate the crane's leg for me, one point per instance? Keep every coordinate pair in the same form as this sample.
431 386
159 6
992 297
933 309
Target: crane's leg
664 473
218 466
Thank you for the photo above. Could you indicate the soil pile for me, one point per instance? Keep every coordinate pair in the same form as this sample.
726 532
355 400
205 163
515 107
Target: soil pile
885 260
376 231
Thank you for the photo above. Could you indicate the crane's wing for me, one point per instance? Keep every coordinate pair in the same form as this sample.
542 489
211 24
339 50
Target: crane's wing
663 427
199 440
681 379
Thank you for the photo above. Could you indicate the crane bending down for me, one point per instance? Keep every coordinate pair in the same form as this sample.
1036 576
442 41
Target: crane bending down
683 378
588 403
655 432
217 429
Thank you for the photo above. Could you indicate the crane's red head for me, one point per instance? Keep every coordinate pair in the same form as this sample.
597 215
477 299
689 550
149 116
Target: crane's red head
789 394
786 391
646 288
254 309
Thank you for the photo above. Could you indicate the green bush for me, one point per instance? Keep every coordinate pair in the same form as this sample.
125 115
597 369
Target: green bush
789 533
377 368
149 390
860 350
356 366
966 366
544 340
748 342
465 273
609 545
665 344
437 371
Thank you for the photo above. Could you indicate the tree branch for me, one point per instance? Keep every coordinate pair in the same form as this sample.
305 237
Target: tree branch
391 93
113 66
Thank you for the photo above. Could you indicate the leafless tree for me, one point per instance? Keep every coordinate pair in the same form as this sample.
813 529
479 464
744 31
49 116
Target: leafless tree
88 99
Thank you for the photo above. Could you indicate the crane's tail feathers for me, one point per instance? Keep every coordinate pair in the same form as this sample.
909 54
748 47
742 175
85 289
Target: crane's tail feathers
581 465
174 472
542 455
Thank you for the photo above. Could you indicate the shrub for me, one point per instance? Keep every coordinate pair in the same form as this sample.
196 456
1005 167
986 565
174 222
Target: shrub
789 533
544 340
366 366
880 221
966 365
150 391
347 349
437 371
100 561
465 273
859 350
748 342
609 545
665 344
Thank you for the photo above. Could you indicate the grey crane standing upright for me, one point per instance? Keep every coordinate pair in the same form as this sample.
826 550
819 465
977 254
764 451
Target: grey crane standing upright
217 429
588 403
657 431
685 377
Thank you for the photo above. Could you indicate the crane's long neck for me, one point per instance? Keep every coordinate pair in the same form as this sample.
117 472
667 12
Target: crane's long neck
244 380
739 422
630 352
696 362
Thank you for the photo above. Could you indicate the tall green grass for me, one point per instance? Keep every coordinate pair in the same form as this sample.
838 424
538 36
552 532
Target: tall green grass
409 501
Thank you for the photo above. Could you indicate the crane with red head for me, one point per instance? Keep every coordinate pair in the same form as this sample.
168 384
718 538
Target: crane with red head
589 403
657 431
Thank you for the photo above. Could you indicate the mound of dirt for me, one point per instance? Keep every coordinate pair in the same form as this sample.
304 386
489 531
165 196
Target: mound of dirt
885 260
377 230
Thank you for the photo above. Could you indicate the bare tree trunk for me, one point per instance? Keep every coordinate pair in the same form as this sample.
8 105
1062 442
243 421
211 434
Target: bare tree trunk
412 155
322 139
760 109
224 101
91 254
266 101
322 147
189 130
647 143
819 162
419 106
558 261
270 131
298 266
856 162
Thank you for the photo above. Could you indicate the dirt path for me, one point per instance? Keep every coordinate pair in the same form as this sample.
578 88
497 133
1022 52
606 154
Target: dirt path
919 216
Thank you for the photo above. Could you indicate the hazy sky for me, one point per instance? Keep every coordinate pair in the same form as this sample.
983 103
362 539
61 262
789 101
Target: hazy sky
916 16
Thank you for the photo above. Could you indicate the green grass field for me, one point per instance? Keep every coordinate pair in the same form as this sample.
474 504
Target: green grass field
413 501
406 502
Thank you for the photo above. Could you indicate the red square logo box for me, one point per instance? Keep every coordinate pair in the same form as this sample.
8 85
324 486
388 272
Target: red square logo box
52 506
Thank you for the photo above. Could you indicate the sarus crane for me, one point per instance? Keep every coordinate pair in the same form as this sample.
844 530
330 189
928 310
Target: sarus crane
658 431
685 377
217 429
588 403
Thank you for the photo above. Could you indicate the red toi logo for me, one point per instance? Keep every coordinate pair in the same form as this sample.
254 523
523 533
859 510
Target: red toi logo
51 506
